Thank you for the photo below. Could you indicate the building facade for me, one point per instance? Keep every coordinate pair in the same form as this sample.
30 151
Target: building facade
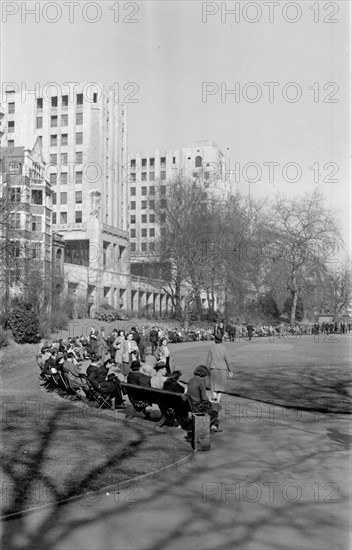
26 229
83 135
149 175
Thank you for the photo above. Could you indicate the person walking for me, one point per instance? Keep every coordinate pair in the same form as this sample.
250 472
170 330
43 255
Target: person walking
218 363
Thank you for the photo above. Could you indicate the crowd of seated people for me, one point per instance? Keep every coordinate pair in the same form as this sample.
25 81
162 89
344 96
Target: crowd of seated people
119 358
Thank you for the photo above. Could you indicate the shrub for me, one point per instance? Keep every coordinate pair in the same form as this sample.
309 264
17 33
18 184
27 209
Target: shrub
24 322
4 341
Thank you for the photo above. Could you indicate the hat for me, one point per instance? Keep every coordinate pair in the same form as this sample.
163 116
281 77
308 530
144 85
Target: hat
160 365
217 339
135 365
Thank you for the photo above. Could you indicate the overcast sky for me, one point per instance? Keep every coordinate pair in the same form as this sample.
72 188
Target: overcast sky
175 47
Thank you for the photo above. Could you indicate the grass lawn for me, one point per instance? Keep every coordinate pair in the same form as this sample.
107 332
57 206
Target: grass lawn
53 449
309 372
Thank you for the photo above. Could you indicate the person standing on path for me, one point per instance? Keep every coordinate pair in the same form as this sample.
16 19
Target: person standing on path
218 363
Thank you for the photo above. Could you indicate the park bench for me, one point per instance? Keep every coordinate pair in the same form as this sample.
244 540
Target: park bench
174 407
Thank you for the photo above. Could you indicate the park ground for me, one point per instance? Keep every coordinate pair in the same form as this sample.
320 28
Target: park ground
66 450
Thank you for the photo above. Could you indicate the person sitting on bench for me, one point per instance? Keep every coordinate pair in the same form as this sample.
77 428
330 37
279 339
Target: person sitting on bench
197 392
136 377
172 382
105 383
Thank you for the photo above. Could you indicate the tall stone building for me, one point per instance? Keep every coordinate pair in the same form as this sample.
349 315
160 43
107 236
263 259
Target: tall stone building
83 135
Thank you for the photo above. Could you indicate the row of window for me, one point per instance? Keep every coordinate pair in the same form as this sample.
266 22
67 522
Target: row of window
144 204
54 101
64 158
64 139
144 190
36 195
144 176
63 178
63 217
144 247
144 233
33 223
152 162
63 198
54 120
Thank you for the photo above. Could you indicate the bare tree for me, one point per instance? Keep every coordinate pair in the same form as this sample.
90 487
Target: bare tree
302 232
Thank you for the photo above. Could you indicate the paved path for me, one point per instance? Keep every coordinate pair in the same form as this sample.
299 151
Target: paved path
274 479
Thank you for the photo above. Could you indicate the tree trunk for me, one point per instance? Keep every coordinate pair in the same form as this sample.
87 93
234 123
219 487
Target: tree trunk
178 307
294 299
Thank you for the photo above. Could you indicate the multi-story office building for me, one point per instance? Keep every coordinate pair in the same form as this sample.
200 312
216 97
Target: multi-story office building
26 230
83 135
149 175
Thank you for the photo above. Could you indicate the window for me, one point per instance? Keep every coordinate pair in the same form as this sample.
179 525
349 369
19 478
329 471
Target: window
63 217
144 218
15 194
53 179
152 204
63 158
198 162
79 138
163 175
64 120
63 198
163 217
144 162
173 160
144 247
54 199
144 190
37 196
78 216
63 178
133 247
53 158
53 121
133 163
133 205
151 162
95 97
133 219
54 101
10 142
78 177
64 139
152 218
53 141
79 118
11 126
39 122
11 108
152 190
16 220
152 247
78 197
54 218
36 223
40 140
133 191
79 157
39 102
64 101
152 232
163 203
133 233
133 176
163 160
163 189
144 204
144 176
151 176
79 99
